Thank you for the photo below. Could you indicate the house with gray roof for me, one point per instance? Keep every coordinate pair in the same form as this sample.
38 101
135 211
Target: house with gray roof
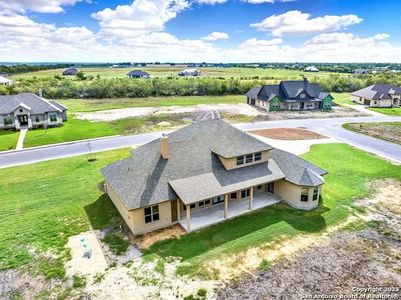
378 95
206 173
5 81
290 95
71 71
138 74
31 111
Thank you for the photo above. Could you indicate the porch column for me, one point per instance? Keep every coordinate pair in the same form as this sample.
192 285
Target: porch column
250 199
225 206
188 218
178 209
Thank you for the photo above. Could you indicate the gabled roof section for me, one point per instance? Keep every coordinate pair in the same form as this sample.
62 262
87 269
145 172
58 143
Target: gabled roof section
193 171
36 104
378 92
253 92
137 73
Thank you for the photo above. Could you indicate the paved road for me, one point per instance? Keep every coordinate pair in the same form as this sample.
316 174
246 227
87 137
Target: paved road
330 127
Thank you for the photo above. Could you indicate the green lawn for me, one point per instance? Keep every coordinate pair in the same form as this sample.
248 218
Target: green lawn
45 203
342 98
72 130
349 170
87 105
388 131
395 111
8 140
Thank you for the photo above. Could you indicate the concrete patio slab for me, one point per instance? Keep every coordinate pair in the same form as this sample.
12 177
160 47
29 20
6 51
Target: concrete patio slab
215 214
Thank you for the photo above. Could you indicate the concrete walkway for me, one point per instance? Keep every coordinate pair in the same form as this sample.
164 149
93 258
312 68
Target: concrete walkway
21 138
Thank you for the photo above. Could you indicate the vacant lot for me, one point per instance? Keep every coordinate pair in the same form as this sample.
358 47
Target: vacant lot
389 131
288 134
342 99
396 111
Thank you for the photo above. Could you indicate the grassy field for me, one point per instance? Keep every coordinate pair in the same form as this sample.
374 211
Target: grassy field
88 105
395 111
163 70
8 140
342 98
349 170
388 131
45 203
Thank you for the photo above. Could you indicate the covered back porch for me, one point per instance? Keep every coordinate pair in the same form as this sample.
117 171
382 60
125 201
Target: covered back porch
211 211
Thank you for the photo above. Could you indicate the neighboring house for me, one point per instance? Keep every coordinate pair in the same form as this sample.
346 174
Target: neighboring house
378 95
190 72
31 111
138 74
72 71
290 95
205 173
360 71
311 69
5 81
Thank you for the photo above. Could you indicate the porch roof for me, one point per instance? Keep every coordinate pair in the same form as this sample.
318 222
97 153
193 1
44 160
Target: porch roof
209 185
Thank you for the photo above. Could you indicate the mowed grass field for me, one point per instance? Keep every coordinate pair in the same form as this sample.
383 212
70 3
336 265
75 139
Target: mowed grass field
164 70
62 199
395 111
42 204
349 171
8 139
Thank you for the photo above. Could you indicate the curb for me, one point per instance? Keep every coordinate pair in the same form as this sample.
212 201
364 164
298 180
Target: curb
59 144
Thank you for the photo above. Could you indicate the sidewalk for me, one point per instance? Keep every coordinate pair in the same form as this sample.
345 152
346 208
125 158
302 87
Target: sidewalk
21 138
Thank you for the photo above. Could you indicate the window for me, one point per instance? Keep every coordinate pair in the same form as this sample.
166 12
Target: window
218 199
302 96
249 158
233 196
245 193
8 120
207 202
151 214
202 203
193 206
240 160
305 194
315 194
53 118
259 187
21 110
258 156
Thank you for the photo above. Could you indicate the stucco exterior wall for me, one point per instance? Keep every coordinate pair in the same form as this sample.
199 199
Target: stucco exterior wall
291 194
231 163
138 217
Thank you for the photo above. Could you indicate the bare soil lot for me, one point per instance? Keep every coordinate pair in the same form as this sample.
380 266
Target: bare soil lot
288 134
389 131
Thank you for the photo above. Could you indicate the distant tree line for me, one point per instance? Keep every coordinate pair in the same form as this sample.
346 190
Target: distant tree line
17 69
58 87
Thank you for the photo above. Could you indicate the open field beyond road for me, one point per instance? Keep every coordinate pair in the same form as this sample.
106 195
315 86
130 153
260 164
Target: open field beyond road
288 134
8 139
164 70
396 111
388 131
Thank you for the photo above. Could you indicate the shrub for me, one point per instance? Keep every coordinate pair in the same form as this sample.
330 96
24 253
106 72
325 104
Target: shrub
78 281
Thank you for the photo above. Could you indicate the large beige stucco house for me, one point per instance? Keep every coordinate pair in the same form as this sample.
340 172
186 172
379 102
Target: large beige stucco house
29 110
378 95
205 173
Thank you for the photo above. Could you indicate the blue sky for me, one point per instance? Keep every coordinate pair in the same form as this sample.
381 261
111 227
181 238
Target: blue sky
201 30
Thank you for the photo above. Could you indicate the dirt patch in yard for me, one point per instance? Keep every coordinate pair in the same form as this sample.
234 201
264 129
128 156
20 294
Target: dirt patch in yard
288 134
148 239
345 260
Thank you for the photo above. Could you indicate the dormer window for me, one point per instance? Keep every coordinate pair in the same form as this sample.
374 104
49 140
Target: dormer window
258 156
21 110
249 158
302 96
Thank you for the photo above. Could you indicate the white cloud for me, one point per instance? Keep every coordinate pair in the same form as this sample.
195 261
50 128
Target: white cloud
139 18
297 23
266 1
41 6
254 43
214 36
211 2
